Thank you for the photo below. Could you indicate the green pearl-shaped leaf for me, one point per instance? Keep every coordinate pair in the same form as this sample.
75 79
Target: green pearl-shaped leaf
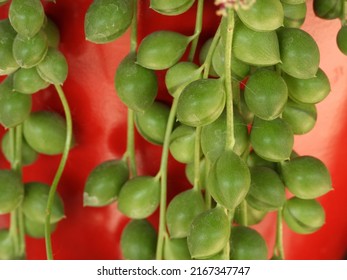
341 39
229 180
201 102
312 90
45 132
106 20
52 33
29 156
14 106
180 75
6 245
27 16
176 249
171 8
162 49
139 197
11 191
294 15
267 191
29 52
138 241
254 160
213 136
301 117
304 216
327 9
272 140
152 123
209 233
254 216
53 69
105 182
28 81
263 15
35 203
182 210
7 62
136 86
266 94
247 244
37 229
299 53
306 177
255 48
182 143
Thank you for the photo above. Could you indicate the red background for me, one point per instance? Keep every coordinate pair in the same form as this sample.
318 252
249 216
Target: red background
99 120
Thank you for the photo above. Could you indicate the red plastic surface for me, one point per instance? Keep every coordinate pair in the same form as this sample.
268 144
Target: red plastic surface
99 120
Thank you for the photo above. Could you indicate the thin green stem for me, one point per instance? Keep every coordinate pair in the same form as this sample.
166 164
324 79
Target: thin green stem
230 214
208 59
59 171
14 232
163 176
196 185
21 230
208 198
133 35
198 28
244 218
230 139
17 162
131 143
279 248
12 135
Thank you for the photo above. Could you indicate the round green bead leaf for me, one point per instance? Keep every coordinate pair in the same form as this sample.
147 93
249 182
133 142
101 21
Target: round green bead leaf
272 140
28 81
229 180
306 177
182 210
139 197
299 53
138 241
29 156
35 203
180 75
152 123
254 216
312 90
45 132
254 160
15 107
341 39
267 191
197 106
105 182
176 249
136 86
171 8
294 15
162 49
263 15
36 229
106 20
29 52
53 69
327 9
301 117
266 94
11 191
52 33
7 62
304 216
182 143
209 233
256 48
27 16
247 244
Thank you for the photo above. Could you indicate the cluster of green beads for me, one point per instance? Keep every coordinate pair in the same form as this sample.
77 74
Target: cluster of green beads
237 144
30 59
